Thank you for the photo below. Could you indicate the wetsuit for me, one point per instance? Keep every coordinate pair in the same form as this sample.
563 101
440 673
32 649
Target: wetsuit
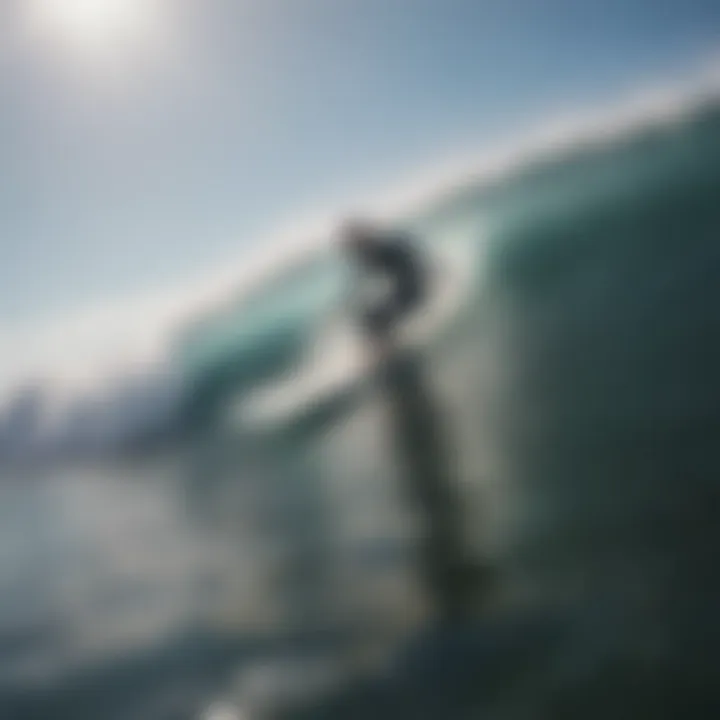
392 257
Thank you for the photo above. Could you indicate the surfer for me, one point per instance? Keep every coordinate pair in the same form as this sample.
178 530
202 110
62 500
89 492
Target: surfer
452 580
390 256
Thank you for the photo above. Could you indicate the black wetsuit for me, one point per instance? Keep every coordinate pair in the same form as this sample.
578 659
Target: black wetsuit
393 257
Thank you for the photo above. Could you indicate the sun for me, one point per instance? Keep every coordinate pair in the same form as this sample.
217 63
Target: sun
97 26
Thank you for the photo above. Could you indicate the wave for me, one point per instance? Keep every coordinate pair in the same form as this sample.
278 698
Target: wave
142 367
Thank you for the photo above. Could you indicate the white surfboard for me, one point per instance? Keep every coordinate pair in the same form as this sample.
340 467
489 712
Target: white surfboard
338 363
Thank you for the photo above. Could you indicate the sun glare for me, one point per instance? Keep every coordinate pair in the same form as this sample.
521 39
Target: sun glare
97 26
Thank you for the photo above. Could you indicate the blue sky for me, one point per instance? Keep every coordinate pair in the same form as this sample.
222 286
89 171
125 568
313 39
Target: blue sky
114 183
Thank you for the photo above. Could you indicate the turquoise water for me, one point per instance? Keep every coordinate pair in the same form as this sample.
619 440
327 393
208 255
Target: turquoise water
576 392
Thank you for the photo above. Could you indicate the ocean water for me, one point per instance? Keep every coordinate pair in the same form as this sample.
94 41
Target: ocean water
568 395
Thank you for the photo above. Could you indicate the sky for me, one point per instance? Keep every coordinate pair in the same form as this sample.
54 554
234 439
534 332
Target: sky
145 146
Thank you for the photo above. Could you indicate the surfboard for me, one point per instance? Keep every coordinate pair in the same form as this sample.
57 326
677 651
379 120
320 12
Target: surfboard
338 366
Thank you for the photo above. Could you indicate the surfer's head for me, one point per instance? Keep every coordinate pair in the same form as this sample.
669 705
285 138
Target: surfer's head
358 237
